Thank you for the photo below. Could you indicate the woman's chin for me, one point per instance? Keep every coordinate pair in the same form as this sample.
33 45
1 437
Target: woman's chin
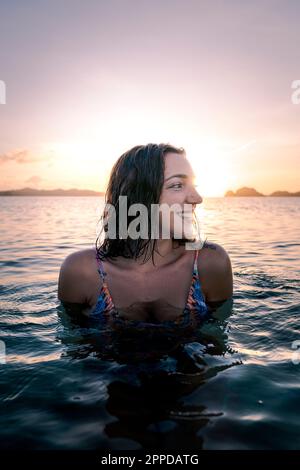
187 235
189 231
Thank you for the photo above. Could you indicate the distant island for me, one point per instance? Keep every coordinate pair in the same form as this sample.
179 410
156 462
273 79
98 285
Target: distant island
251 192
241 192
50 192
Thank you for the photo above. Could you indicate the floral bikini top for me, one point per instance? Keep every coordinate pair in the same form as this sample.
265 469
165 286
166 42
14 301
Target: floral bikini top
194 312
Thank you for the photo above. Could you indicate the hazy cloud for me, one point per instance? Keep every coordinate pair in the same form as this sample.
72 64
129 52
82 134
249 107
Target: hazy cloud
34 180
18 156
23 156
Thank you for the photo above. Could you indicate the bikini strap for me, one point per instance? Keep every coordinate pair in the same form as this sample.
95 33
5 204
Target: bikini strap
196 262
100 268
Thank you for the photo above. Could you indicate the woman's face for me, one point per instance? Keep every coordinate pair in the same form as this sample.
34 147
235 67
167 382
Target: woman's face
179 189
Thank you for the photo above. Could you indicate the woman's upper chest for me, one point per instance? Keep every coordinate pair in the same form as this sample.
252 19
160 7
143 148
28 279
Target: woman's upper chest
138 295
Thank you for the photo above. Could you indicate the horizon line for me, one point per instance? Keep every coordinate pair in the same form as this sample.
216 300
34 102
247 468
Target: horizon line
247 192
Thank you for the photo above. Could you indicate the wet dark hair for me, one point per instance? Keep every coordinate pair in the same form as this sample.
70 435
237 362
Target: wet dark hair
139 175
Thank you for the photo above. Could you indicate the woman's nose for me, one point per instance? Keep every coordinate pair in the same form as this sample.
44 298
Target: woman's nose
194 197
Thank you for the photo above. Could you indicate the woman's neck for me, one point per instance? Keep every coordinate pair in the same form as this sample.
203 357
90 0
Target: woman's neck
164 253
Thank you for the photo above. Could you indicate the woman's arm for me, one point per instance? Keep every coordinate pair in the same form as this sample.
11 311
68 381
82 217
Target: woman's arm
74 283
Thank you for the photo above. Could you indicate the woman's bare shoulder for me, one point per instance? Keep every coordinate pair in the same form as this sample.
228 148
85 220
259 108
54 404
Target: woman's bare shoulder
212 253
77 276
81 256
215 271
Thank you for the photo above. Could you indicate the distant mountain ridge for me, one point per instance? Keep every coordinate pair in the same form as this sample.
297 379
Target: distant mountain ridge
51 192
241 192
251 192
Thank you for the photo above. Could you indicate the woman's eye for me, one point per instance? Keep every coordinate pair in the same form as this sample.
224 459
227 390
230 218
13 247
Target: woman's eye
177 185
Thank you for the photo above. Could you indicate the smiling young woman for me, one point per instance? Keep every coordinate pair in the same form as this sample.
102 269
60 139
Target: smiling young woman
172 285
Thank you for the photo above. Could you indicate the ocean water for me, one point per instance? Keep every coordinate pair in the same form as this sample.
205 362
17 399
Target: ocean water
66 385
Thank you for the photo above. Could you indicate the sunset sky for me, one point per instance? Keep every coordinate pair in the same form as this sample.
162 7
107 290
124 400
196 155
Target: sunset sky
85 81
